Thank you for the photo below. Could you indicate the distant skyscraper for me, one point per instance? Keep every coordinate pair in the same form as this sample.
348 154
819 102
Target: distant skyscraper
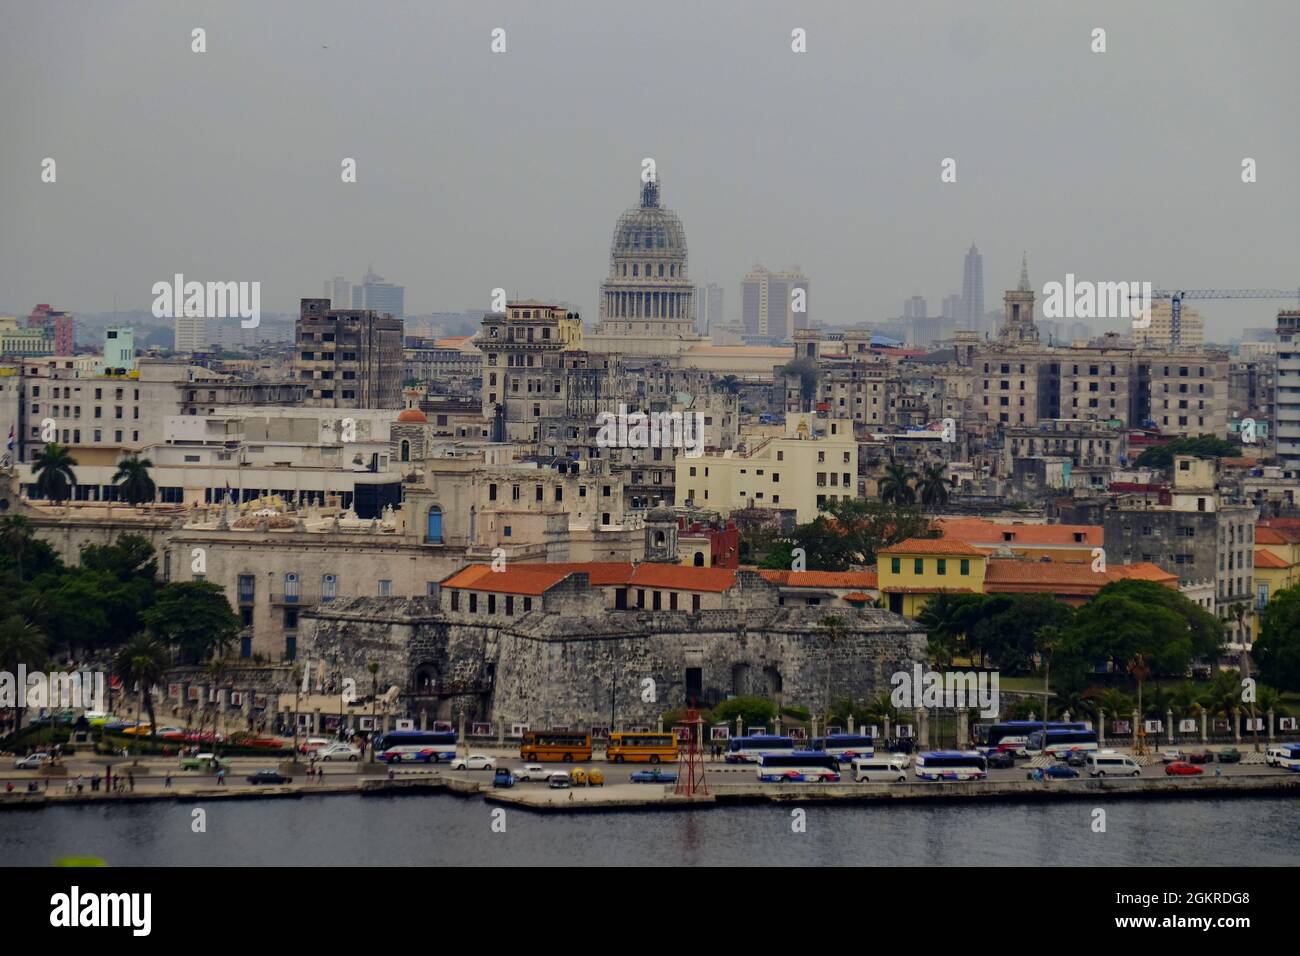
709 307
972 291
952 307
191 332
378 296
339 291
915 308
64 327
767 303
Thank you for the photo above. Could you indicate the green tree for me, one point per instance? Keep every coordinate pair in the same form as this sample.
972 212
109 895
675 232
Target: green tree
52 468
1007 632
808 372
21 643
133 481
16 536
934 485
1277 649
143 661
129 557
895 488
195 618
1131 617
1203 446
752 710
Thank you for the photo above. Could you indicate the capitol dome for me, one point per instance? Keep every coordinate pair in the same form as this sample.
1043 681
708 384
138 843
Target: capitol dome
648 292
649 230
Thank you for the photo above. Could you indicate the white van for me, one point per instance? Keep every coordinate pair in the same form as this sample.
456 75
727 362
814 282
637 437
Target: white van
1107 762
872 770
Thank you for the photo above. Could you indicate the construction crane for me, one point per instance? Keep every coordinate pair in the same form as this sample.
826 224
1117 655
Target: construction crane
1176 302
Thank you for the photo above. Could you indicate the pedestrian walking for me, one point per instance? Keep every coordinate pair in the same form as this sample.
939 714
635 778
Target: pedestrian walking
221 777
94 784
80 783
167 781
130 776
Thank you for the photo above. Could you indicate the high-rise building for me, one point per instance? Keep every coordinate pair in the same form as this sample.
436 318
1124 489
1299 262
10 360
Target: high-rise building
376 295
915 308
972 291
771 307
1287 389
952 307
1160 332
709 301
339 291
191 333
348 358
64 324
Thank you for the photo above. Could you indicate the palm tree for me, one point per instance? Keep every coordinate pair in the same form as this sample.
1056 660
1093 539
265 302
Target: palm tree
880 708
894 487
729 384
142 661
20 643
53 470
1115 702
15 537
132 478
934 485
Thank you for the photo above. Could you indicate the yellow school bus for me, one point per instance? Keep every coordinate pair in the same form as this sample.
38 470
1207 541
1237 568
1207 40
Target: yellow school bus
641 748
544 745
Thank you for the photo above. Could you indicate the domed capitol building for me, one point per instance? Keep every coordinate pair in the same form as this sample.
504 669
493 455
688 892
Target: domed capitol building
647 303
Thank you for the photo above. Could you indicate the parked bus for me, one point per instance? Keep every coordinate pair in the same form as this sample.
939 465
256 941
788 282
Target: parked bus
641 748
749 749
1014 734
798 766
544 745
1284 756
397 746
951 765
1054 742
845 746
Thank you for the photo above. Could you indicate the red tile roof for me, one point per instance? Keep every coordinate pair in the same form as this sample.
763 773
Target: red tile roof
976 531
1267 559
933 546
1005 575
536 579
822 579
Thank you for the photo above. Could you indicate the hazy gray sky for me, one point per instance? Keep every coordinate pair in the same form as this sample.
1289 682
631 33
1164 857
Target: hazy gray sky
479 170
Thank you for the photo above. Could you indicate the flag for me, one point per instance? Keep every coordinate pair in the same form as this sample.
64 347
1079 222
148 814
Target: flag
11 438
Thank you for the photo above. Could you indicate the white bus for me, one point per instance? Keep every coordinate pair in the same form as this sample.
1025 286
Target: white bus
873 769
798 766
1057 742
952 765
398 746
844 747
749 749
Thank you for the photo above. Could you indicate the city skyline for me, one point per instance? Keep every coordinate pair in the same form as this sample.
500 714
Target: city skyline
1055 186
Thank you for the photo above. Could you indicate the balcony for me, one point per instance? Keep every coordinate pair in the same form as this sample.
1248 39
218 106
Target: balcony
300 599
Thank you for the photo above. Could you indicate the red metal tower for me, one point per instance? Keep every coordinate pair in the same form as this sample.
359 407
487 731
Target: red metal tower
690 760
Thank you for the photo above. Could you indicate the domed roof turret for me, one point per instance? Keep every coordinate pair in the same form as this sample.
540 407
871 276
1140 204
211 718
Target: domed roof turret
649 230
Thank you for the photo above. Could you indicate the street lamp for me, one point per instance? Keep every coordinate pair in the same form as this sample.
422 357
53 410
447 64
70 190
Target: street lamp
297 695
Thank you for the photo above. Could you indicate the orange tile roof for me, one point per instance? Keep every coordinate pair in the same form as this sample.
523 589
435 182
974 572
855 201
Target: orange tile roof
822 579
933 546
1267 535
858 596
1003 575
536 579
976 531
1267 559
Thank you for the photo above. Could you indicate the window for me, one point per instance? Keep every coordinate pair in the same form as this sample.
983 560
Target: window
965 566
918 565
385 588
455 600
941 566
895 565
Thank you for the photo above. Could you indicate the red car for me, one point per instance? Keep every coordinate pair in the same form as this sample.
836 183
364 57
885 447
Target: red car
1181 768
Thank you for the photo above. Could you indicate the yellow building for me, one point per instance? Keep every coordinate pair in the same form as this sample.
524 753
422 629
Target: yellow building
913 571
813 462
1277 563
1160 333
